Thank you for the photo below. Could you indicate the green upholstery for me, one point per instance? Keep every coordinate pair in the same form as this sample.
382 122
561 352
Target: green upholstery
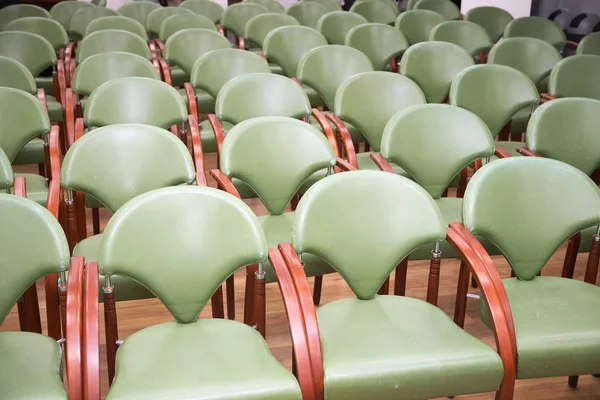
330 5
433 66
590 44
325 68
32 153
14 74
31 50
558 333
236 16
112 40
536 27
416 25
13 12
7 178
336 24
492 19
468 35
37 188
376 11
135 100
307 13
410 4
447 9
576 77
47 28
186 46
208 8
64 10
271 5
138 10
117 22
178 22
31 366
158 16
260 26
494 92
209 358
414 351
82 18
99 3
381 43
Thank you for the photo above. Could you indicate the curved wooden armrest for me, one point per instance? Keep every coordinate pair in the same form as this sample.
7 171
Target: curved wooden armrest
241 43
69 111
71 66
62 81
501 153
161 47
74 320
477 164
344 165
166 71
381 162
326 128
20 186
197 151
344 135
297 81
571 44
224 183
153 50
91 335
526 152
158 69
220 29
546 97
217 130
53 199
41 95
190 92
79 126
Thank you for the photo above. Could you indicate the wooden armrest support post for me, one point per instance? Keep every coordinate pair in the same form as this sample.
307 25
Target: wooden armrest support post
224 183
41 95
346 139
527 152
73 334
190 92
197 152
501 153
20 186
53 199
69 111
61 79
215 124
381 162
91 334
166 71
326 128
79 127
344 165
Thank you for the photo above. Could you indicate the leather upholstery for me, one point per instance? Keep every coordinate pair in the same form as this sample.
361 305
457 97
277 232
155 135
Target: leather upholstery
381 12
31 153
117 22
7 178
492 19
63 11
178 22
272 6
13 12
138 10
14 74
186 46
31 50
381 43
468 35
37 188
330 5
47 28
208 8
307 13
575 77
416 25
112 40
158 16
447 9
590 44
336 24
258 27
536 27
236 16
82 18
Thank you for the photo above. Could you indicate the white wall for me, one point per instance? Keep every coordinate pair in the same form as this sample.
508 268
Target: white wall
517 8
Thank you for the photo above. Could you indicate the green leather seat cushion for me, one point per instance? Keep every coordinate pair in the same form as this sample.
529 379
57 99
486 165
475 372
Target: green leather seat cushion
31 153
37 188
204 101
396 347
31 367
511 147
46 83
207 359
55 110
276 69
556 325
365 162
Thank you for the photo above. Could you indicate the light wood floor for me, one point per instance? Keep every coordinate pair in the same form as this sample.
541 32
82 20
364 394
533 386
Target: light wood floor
135 315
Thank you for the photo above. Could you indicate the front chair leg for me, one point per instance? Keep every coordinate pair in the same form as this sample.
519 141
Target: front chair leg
96 220
461 295
32 309
230 285
317 290
260 308
433 285
216 302
400 278
249 317
385 288
573 380
112 331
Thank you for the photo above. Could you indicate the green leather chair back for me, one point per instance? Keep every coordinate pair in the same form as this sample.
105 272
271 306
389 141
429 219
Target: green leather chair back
492 19
178 22
17 11
117 22
99 3
307 13
434 142
381 43
23 118
397 216
271 5
14 74
236 16
7 178
138 10
433 66
112 40
445 8
336 24
376 11
287 45
534 57
260 26
259 95
325 68
213 70
526 233
119 162
576 76
100 68
47 28
416 25
186 46
135 101
290 151
368 100
536 27
494 92
82 18
468 35
25 222
158 16
330 5
64 10
590 44
208 8
410 4
567 130
31 50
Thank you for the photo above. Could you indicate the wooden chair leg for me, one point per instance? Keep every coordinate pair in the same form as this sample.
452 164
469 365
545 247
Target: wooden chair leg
385 288
96 220
433 284
367 147
42 170
216 303
22 312
573 380
112 333
461 295
260 309
571 256
72 229
505 132
230 285
591 272
295 201
249 318
318 285
474 283
32 310
53 306
400 278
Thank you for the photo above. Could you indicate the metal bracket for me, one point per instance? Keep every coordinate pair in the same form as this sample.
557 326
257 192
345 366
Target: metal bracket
108 287
473 296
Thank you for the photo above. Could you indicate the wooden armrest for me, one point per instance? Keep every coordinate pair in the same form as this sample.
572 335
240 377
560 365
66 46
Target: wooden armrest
344 165
158 69
53 199
91 335
501 153
153 50
41 95
241 43
545 97
224 183
61 81
79 127
344 135
217 131
71 66
190 92
69 53
220 29
20 186
197 151
74 320
166 71
161 47
297 81
526 152
326 128
69 111
571 44
381 162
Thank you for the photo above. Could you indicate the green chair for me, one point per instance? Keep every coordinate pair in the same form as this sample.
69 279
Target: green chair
198 355
16 11
178 22
555 326
430 356
236 16
138 10
492 19
446 8
208 8
335 25
468 35
575 76
64 10
272 6
82 18
433 66
495 93
158 16
47 28
330 5
117 22
410 4
99 3
376 11
590 44
383 44
307 13
260 26
416 25
536 27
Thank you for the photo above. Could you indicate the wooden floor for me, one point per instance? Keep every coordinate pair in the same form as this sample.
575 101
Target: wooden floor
135 315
